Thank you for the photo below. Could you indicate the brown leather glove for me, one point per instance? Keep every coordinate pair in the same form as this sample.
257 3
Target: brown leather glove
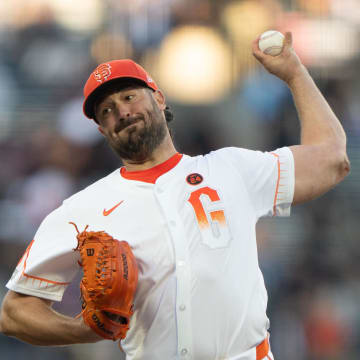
108 284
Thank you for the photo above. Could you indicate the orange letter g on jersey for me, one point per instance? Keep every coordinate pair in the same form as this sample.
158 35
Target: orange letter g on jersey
210 217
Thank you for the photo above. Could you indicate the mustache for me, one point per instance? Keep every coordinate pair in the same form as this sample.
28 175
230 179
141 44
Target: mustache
125 122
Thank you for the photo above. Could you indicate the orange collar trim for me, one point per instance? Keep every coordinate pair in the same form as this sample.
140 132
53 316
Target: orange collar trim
151 175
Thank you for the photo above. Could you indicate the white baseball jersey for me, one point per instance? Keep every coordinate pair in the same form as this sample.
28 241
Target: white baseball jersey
191 225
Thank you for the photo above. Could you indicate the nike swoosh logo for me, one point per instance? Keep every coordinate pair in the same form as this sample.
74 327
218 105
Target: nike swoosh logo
108 212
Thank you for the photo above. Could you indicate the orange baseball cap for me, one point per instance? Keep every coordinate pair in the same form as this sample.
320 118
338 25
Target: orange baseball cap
108 73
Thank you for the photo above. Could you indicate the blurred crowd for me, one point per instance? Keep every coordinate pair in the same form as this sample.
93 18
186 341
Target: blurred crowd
49 150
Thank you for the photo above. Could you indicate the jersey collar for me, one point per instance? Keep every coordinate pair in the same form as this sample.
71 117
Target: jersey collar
151 175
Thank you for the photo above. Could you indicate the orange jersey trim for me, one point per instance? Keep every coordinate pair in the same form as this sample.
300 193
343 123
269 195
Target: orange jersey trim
151 175
44 280
277 183
26 255
262 350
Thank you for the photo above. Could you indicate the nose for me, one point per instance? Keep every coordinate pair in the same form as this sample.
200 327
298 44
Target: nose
123 111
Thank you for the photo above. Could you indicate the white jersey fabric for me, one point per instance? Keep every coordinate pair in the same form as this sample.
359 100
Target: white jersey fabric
191 225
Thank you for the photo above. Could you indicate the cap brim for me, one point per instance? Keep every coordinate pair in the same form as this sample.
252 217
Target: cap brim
89 104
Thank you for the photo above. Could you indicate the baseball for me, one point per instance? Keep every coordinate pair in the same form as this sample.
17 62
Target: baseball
271 42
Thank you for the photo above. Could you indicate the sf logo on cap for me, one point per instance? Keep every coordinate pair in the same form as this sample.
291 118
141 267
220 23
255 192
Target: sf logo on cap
102 72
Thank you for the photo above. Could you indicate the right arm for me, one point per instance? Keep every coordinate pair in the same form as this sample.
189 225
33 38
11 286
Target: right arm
320 159
32 319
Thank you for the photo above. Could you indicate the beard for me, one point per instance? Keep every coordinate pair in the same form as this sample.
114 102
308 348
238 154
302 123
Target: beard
138 144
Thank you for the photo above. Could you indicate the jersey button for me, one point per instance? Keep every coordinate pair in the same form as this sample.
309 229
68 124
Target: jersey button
182 307
184 352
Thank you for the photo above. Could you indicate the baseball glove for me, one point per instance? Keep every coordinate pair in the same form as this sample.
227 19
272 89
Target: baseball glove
108 284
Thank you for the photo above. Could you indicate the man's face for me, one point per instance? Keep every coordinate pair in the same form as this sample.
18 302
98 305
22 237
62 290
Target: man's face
133 122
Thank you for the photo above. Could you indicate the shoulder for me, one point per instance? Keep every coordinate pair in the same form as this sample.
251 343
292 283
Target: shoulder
237 154
244 162
227 160
234 155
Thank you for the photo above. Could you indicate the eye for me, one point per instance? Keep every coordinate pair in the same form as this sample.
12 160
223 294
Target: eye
106 111
129 97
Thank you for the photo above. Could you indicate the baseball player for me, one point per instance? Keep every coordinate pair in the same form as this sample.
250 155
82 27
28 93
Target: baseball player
190 222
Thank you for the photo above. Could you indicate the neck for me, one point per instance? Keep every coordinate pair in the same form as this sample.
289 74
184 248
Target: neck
162 153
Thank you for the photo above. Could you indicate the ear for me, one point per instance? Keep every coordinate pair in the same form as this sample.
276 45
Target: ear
160 99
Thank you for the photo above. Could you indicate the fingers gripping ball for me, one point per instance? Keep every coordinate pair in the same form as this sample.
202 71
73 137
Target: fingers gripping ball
109 283
271 42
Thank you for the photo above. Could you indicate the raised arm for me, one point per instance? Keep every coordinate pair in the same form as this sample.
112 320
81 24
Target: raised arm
32 319
320 159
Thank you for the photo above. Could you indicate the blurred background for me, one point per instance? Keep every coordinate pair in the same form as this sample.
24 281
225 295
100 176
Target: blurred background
199 53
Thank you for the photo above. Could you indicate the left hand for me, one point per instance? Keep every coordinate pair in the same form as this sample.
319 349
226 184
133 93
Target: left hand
286 65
